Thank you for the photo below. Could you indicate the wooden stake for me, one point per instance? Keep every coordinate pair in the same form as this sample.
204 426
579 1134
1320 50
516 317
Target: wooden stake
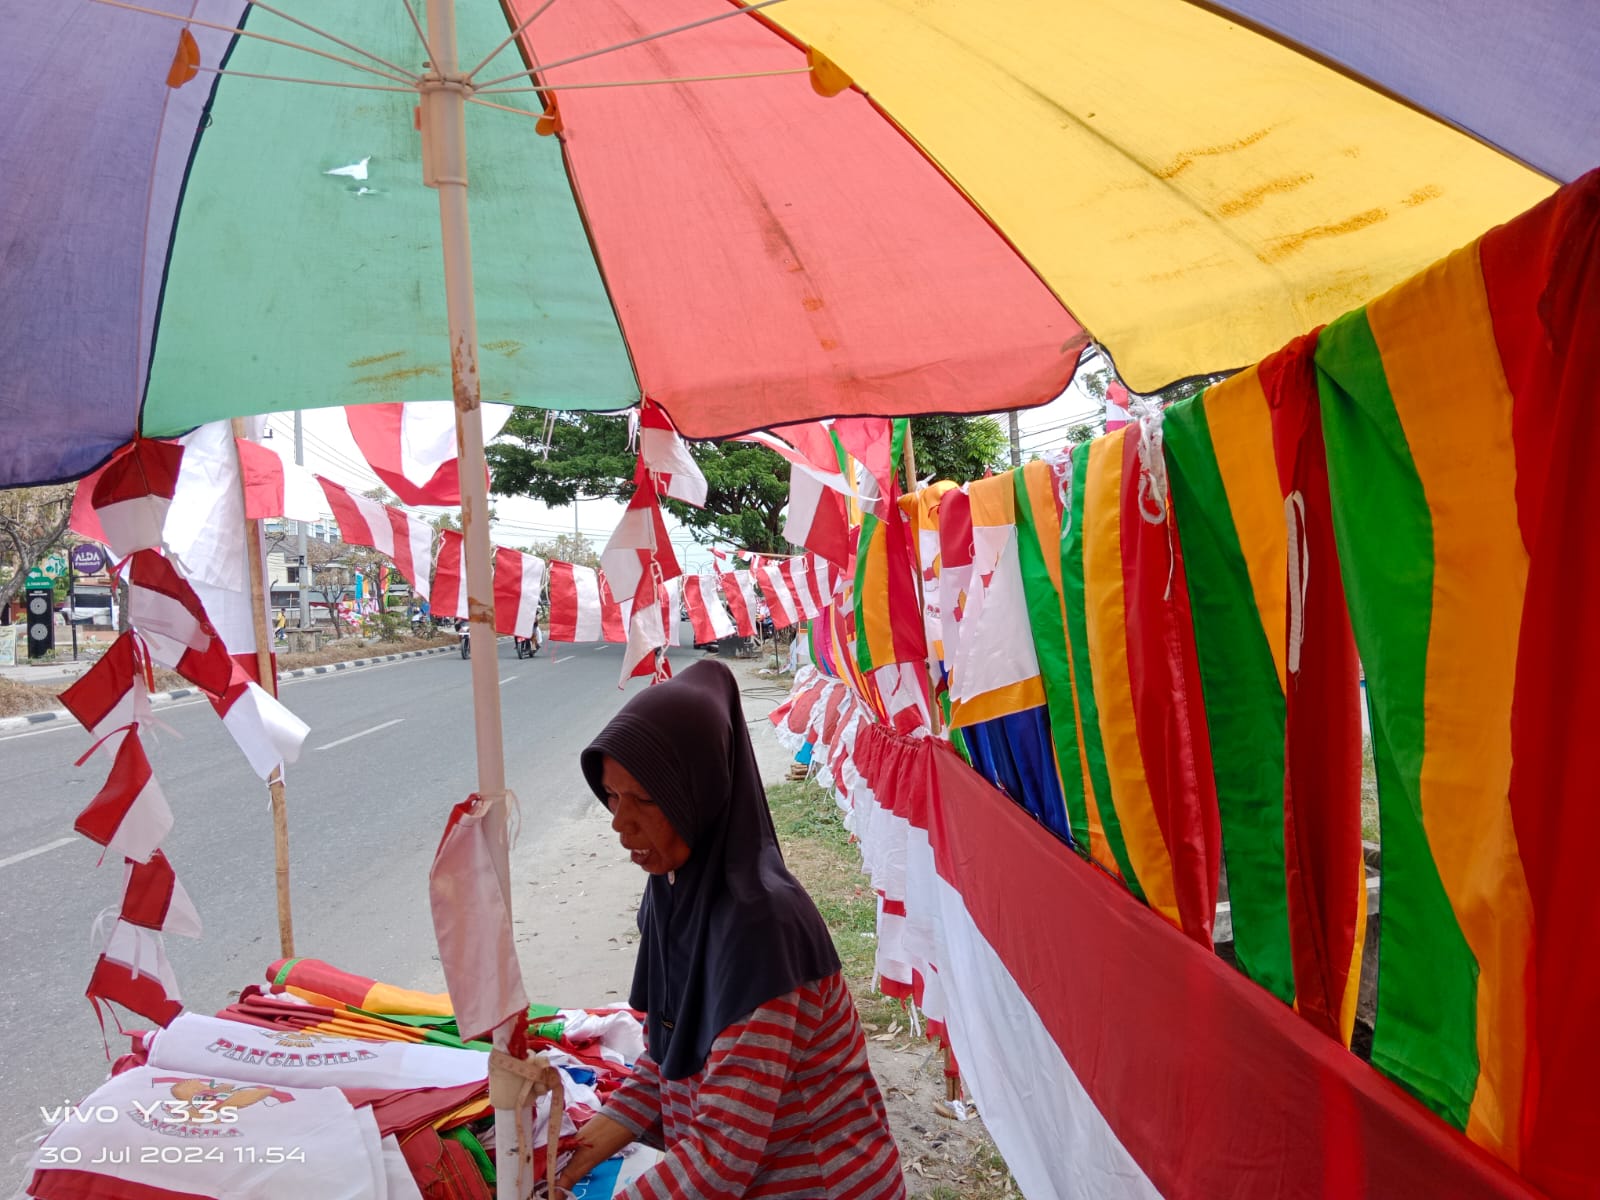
269 681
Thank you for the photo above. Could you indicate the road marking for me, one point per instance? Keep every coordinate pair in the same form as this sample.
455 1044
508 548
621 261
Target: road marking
554 661
601 646
363 733
507 680
47 847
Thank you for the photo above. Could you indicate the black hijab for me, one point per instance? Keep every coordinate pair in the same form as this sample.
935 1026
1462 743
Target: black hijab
735 929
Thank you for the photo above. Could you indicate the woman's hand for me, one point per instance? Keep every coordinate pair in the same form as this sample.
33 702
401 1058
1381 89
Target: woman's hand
598 1140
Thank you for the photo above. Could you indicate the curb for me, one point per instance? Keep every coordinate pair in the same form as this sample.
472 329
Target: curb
159 699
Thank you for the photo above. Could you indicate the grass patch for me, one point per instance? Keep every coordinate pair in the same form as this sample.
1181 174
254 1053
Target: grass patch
1369 793
20 699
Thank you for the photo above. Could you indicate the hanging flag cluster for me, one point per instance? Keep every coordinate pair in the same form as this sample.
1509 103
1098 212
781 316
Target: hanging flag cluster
1158 647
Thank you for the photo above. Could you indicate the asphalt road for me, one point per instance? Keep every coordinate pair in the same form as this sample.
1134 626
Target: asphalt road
391 750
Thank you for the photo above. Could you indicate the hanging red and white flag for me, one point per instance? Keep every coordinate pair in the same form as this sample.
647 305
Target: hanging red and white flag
518 582
797 574
152 898
115 691
775 590
165 611
133 972
267 732
469 891
739 589
412 447
449 596
574 603
405 539
639 539
706 615
664 457
276 487
613 616
870 441
129 815
817 518
647 631
133 492
1119 406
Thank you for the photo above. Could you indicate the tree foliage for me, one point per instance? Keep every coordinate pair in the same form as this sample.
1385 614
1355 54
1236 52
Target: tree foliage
587 456
33 522
567 547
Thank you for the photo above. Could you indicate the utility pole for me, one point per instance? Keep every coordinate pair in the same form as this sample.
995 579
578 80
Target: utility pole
1016 439
305 563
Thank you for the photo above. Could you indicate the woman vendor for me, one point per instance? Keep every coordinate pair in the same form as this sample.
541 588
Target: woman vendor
755 1081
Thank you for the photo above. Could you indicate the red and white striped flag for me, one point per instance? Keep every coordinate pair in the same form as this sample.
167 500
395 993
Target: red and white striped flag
647 631
639 540
364 522
1119 406
613 616
152 898
574 603
449 597
796 574
775 590
817 518
165 611
115 691
740 592
133 972
664 457
518 581
276 487
129 815
268 733
706 614
132 493
412 447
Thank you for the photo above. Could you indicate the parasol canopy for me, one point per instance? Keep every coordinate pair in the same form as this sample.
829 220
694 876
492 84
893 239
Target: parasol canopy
1194 184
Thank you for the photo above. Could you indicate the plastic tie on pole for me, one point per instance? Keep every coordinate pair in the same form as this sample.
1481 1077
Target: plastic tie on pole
827 79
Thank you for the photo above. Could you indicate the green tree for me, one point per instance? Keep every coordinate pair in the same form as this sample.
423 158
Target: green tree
33 522
566 547
958 448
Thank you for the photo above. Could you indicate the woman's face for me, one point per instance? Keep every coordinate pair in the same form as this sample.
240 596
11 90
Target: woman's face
641 827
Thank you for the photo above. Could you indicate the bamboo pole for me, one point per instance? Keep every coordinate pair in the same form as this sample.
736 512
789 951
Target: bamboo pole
269 680
444 156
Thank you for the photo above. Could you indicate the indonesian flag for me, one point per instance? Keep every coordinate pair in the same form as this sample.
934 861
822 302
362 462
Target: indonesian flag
115 691
364 522
277 487
740 592
133 492
639 540
449 598
469 889
797 576
412 447
817 518
647 631
706 614
152 898
665 459
133 972
1118 405
267 732
518 581
168 615
129 815
575 613
780 603
613 617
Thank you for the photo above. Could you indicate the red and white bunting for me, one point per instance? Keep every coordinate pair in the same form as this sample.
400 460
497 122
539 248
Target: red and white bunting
613 616
518 581
267 732
797 575
132 493
276 487
152 898
115 691
133 972
706 615
639 540
775 590
647 632
574 603
165 611
449 596
739 589
129 815
412 447
665 458
405 539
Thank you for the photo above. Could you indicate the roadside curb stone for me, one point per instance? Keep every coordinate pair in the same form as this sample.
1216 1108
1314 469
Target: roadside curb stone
159 699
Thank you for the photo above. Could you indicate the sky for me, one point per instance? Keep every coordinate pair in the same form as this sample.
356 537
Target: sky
521 520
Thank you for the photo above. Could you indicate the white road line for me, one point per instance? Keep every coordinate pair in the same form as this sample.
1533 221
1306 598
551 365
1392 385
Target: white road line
601 646
363 733
44 849
507 680
554 661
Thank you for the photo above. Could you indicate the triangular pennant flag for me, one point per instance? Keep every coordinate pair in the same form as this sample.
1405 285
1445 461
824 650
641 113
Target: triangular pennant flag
153 898
268 733
412 447
665 459
133 972
129 815
165 611
114 692
133 492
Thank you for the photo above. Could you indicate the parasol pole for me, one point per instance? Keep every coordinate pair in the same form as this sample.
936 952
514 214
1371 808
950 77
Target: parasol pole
444 165
269 680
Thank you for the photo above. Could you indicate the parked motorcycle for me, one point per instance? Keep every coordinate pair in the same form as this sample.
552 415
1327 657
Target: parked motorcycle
464 631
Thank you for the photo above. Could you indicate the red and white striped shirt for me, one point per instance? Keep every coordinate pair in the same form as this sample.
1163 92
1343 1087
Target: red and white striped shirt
785 1105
